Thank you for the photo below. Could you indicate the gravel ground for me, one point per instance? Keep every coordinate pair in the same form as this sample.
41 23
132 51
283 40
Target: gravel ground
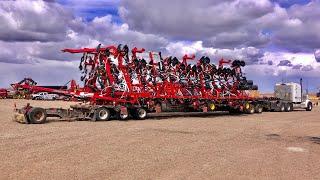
259 146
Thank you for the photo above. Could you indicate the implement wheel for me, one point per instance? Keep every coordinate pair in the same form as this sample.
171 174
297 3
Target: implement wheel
102 114
250 109
37 115
122 116
139 113
258 108
281 108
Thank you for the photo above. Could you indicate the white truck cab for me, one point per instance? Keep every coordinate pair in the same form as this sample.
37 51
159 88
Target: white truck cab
292 93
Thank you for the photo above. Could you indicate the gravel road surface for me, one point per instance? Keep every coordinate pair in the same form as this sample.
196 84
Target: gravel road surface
219 146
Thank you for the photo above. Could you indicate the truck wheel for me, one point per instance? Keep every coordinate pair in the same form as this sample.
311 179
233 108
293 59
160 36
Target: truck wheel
250 109
140 113
288 107
122 116
37 115
281 108
258 108
102 114
309 106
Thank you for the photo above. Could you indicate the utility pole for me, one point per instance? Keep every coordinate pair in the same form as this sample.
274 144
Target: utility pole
301 87
307 90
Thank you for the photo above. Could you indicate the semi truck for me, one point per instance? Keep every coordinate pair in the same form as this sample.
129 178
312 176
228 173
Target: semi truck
287 97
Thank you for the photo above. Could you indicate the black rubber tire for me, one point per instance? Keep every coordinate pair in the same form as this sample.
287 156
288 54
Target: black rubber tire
242 63
122 117
258 109
288 107
102 114
255 87
245 87
309 106
139 113
250 87
37 115
281 108
251 109
250 82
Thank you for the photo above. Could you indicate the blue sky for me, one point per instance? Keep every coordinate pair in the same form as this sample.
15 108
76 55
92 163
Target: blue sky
288 3
279 39
91 9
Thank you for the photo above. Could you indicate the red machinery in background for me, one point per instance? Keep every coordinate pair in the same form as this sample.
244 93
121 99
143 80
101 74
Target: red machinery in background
27 86
3 93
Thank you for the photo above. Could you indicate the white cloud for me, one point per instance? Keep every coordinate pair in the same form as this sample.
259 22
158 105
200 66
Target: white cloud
218 23
250 55
228 24
317 55
295 58
24 20
45 73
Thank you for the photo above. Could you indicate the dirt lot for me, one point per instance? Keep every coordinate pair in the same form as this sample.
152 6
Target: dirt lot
266 146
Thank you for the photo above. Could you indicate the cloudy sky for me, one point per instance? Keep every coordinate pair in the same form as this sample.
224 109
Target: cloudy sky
279 39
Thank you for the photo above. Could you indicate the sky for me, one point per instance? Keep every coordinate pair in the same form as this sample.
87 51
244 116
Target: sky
278 39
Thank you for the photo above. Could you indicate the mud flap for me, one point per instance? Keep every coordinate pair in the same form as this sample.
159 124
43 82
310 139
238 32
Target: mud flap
123 110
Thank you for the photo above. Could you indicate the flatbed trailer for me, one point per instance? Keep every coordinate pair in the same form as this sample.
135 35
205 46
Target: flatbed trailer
38 115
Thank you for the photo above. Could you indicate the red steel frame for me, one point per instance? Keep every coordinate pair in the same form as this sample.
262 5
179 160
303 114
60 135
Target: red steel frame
149 88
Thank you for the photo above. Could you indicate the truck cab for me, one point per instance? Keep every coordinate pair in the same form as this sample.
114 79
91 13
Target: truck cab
292 93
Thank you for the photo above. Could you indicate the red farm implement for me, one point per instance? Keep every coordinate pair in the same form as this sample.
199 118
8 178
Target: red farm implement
122 83
27 86
3 93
